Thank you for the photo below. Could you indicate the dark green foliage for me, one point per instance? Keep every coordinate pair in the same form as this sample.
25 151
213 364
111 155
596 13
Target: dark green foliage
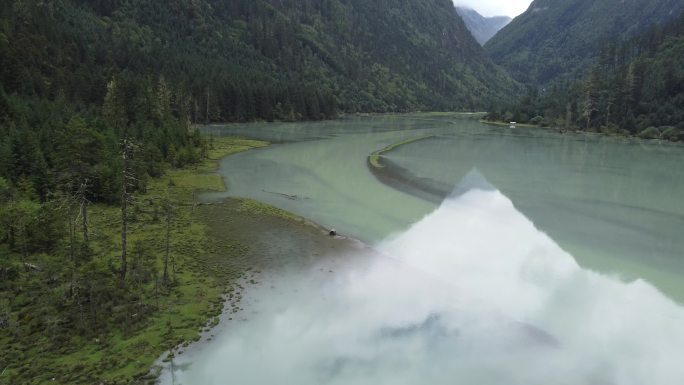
556 40
635 87
236 60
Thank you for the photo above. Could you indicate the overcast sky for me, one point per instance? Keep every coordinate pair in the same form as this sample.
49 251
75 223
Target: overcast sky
510 8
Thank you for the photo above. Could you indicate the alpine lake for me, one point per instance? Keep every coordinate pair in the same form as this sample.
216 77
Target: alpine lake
471 253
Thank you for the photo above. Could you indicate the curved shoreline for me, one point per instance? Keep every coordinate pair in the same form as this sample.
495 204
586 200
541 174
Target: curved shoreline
374 159
395 176
560 130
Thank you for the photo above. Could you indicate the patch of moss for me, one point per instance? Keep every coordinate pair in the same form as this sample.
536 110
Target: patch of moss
650 133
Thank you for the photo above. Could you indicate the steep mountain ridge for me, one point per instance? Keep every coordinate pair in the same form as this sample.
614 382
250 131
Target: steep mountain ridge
634 87
482 28
247 59
555 40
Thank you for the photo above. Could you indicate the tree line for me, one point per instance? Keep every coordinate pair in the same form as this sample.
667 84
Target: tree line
241 60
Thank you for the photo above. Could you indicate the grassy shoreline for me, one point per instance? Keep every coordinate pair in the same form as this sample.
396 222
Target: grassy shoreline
124 353
652 133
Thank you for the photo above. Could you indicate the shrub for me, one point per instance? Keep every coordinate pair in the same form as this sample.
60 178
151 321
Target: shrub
610 128
650 133
537 120
672 133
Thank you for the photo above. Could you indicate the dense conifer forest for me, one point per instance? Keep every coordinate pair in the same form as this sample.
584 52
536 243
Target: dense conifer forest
635 87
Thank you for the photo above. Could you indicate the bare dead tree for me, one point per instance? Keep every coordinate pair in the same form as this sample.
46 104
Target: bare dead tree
127 178
206 117
72 241
124 208
84 217
168 209
67 203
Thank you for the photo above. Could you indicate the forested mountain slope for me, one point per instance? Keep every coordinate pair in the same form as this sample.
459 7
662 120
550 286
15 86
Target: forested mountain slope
482 28
558 39
634 86
246 59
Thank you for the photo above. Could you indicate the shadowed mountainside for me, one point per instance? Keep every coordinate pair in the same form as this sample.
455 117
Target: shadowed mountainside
482 28
556 40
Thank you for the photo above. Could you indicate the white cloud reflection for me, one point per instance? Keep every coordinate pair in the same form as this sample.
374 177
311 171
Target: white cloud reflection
471 294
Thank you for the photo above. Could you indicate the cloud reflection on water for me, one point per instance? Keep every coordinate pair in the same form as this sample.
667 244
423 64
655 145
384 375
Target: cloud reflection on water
473 293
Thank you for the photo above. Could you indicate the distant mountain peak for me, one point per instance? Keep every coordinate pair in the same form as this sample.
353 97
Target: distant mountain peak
482 28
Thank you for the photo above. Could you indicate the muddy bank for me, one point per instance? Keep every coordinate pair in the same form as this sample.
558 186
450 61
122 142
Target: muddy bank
246 235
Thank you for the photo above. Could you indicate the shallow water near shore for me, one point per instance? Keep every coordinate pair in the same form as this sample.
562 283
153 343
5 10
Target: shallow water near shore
613 203
529 258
